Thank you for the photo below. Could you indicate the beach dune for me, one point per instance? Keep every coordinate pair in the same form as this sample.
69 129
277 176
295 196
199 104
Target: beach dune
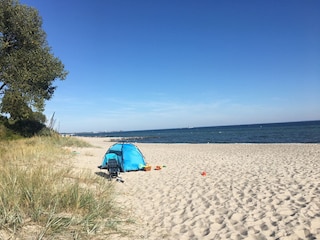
218 191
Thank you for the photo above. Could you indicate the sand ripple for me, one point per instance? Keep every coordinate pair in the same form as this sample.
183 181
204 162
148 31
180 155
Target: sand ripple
249 192
264 191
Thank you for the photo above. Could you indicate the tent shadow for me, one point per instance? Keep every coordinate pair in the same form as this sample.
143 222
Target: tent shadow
103 174
107 176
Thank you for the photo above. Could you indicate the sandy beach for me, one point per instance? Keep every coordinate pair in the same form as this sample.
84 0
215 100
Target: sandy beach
249 191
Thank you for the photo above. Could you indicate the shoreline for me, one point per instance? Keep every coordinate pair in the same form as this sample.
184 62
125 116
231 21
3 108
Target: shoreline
250 191
114 140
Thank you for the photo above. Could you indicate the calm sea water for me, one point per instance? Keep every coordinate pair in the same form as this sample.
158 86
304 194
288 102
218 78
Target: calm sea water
291 132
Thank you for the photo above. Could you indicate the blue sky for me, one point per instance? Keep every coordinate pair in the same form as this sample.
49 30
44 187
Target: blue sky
147 64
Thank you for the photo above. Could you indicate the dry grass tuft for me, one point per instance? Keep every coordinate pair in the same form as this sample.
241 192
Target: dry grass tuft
42 198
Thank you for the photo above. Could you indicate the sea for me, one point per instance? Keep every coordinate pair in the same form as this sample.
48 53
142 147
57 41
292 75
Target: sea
288 132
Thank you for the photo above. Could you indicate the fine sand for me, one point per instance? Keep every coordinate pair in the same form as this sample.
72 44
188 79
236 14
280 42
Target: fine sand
250 191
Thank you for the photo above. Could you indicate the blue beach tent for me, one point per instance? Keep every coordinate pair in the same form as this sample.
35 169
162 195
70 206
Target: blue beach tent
128 156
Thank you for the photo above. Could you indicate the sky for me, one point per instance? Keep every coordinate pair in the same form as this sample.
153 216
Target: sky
147 64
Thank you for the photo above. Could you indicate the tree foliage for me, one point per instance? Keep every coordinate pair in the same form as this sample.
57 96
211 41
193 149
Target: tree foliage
28 69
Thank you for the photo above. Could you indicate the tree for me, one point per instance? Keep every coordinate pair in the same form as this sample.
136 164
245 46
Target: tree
28 69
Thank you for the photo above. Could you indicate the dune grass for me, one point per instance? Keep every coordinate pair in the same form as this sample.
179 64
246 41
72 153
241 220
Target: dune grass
43 198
